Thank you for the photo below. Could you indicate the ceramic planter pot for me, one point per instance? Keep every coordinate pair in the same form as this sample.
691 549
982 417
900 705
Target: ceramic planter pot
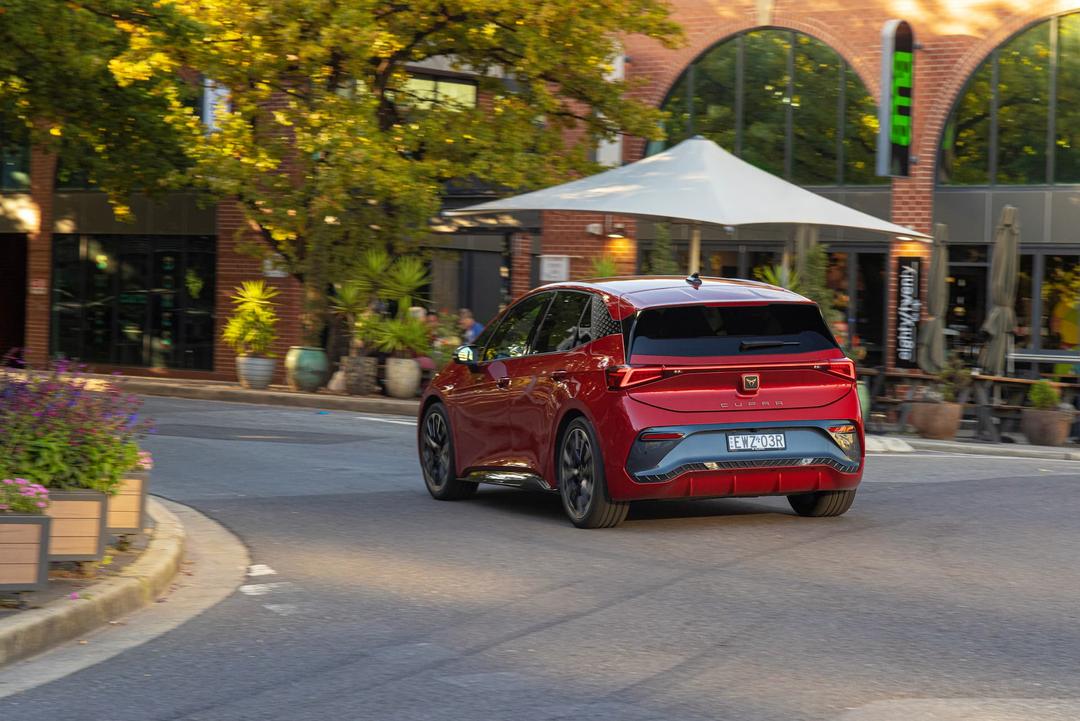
1046 427
939 421
126 511
305 368
254 372
77 531
402 377
361 375
24 552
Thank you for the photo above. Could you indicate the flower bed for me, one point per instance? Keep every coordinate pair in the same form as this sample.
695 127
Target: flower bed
61 435
71 443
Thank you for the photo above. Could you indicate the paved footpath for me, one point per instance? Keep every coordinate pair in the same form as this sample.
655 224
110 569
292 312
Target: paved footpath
949 591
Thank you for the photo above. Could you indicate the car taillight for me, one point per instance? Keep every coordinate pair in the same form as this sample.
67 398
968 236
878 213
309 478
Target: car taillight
847 437
844 368
622 377
661 436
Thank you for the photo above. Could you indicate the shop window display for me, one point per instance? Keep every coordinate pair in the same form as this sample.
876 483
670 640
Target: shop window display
134 300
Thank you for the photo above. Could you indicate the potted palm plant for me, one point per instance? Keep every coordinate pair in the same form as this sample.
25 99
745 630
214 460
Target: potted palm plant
355 301
939 414
1047 422
251 330
24 535
402 335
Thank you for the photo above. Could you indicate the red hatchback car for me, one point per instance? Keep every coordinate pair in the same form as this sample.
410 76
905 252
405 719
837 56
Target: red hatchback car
614 391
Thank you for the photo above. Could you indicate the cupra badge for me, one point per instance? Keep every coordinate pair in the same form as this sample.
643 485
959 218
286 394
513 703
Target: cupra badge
750 382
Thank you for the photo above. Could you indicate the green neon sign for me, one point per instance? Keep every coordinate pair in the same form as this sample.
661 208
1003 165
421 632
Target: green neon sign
900 125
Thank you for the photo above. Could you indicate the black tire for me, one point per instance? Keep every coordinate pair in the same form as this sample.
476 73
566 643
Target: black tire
582 484
437 457
822 504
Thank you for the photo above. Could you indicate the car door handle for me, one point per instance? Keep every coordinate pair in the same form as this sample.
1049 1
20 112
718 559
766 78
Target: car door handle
560 376
503 382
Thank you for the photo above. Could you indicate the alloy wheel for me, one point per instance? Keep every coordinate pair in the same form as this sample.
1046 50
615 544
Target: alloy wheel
576 473
436 451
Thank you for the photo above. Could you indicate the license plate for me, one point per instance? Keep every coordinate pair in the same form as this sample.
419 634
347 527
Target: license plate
756 442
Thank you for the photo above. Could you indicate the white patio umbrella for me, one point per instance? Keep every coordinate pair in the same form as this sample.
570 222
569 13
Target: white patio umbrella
694 182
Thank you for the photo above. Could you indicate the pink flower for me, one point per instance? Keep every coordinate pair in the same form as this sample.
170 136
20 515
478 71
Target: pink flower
21 481
8 482
42 504
4 507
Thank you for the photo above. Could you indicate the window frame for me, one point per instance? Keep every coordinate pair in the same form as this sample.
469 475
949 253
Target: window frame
577 337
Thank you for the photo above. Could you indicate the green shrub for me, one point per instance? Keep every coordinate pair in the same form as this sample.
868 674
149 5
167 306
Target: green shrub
252 328
953 378
1044 396
603 267
661 259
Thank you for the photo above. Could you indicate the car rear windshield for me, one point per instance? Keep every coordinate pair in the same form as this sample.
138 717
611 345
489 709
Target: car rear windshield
730 330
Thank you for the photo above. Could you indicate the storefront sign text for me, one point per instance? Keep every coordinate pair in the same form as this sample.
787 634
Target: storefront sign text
908 307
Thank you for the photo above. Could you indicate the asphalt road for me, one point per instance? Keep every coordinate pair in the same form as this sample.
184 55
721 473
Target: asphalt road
951 590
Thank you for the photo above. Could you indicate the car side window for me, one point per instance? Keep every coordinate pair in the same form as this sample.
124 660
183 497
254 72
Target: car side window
514 335
561 329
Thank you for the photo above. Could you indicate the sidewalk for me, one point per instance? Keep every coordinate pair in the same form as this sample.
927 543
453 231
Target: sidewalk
275 395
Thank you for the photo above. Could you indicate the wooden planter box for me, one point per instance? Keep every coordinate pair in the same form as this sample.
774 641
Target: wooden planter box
24 547
127 509
77 530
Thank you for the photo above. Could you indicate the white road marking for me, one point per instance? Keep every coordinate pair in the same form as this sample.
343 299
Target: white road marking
937 454
386 420
261 589
282 609
260 569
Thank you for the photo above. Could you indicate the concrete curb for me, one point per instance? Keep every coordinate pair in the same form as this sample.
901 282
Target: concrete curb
887 444
137 585
1007 450
235 394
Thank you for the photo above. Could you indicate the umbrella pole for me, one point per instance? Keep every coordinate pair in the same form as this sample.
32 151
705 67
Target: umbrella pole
695 249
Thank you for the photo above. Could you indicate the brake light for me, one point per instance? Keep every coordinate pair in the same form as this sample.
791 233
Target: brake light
844 368
622 377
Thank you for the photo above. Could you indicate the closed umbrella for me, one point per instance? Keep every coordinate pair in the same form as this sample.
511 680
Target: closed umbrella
1001 322
932 333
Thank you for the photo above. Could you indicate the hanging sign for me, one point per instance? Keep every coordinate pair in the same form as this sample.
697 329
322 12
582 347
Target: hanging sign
554 268
908 307
895 115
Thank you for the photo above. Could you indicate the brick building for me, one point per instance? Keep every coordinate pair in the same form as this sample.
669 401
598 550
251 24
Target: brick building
789 86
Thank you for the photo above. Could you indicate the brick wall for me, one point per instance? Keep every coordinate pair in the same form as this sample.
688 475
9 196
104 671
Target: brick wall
232 269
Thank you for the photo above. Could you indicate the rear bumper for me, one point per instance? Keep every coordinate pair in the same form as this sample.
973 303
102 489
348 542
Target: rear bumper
699 463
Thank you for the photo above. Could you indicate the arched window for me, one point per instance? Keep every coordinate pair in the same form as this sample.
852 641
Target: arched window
1018 120
783 101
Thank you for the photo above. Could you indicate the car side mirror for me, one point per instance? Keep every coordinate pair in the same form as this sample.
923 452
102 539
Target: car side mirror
465 354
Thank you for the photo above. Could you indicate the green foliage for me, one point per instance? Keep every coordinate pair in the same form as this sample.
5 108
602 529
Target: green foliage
661 259
1044 396
782 276
402 336
355 154
953 378
251 329
603 267
76 80
814 282
403 282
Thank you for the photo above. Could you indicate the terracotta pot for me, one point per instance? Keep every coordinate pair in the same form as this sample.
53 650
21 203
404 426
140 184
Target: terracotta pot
939 421
361 375
1046 427
77 531
254 372
24 547
127 509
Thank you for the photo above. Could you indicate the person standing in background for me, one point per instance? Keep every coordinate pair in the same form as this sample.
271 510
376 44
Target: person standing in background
470 327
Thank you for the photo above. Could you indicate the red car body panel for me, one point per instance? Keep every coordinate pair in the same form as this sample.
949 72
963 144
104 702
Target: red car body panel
507 414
